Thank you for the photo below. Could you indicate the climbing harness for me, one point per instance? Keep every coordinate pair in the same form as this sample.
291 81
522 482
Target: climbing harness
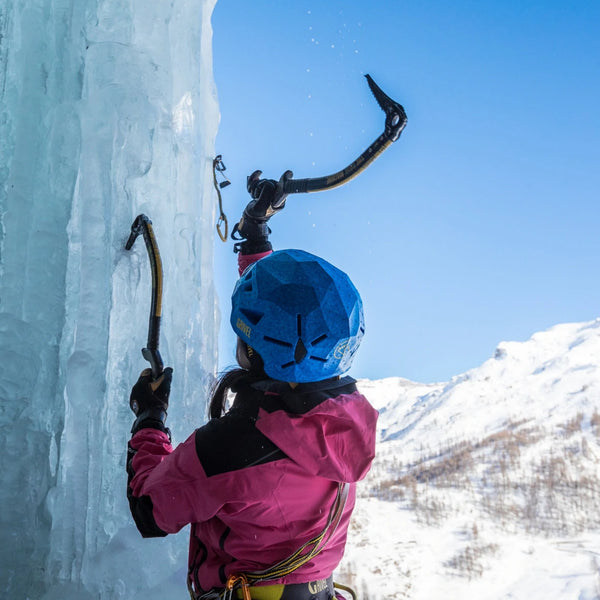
143 225
322 589
219 167
241 583
395 122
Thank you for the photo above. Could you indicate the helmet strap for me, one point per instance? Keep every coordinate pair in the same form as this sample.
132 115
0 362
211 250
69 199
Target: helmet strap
255 360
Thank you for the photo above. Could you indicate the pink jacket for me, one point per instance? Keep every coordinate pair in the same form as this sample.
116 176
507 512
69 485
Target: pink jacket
258 482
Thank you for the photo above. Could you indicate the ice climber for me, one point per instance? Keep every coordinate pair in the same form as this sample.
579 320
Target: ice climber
269 486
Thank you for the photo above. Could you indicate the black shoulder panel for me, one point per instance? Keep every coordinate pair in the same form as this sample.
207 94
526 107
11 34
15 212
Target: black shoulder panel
232 442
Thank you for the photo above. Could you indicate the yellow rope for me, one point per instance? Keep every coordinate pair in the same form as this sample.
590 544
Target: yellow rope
314 545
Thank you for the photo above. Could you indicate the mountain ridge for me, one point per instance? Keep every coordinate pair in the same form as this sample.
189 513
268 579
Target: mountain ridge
487 479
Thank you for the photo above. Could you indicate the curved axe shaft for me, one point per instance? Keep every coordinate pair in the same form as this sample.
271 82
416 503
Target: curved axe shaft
143 225
395 121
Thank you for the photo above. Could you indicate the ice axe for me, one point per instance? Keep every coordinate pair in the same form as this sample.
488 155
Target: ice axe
143 225
395 121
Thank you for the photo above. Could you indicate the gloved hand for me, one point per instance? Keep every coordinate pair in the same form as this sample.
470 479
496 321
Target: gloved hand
263 192
253 226
149 400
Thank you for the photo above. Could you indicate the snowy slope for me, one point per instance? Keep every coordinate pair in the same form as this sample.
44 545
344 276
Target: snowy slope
487 486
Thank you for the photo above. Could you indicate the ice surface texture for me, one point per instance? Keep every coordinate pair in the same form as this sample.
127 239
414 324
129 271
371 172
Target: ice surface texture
107 109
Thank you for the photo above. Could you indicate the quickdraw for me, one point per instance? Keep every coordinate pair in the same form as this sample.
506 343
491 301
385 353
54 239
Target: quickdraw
237 582
219 167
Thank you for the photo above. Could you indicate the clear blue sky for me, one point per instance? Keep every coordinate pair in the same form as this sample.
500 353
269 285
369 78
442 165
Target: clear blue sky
481 223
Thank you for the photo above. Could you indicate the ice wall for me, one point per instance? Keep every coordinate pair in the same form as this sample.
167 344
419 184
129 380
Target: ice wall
107 109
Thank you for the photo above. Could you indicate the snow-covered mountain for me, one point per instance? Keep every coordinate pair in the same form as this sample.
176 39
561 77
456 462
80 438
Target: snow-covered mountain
484 487
487 486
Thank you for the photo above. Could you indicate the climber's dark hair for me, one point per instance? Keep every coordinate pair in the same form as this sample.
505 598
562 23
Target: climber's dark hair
250 369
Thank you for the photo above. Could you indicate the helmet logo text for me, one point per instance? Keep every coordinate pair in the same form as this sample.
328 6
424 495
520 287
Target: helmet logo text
340 349
243 327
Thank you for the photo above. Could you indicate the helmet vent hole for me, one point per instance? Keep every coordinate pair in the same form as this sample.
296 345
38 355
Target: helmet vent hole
300 352
288 364
276 341
318 358
253 316
319 339
299 325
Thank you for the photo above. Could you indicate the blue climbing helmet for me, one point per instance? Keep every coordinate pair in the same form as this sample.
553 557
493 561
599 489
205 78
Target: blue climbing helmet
302 315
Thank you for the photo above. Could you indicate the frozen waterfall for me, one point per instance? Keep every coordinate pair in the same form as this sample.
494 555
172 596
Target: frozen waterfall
107 109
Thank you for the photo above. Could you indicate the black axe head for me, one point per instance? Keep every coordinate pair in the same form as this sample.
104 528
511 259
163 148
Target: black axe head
395 120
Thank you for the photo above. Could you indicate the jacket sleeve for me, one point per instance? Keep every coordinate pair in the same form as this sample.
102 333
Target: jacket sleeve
167 488
145 451
245 260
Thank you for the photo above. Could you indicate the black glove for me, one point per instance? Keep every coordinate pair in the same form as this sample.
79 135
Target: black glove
253 226
149 400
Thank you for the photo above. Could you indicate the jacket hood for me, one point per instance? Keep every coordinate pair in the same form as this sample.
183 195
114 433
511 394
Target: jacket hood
328 428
